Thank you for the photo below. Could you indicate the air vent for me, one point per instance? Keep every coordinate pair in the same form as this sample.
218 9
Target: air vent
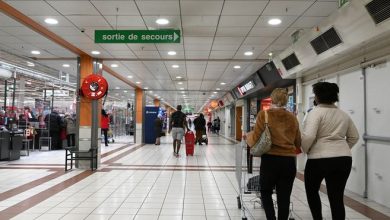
326 41
379 10
290 62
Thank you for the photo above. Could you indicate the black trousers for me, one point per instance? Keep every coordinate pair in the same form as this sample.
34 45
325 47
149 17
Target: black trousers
105 131
277 172
335 171
70 138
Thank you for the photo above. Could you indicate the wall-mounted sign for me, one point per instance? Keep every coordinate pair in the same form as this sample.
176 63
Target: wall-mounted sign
137 36
246 87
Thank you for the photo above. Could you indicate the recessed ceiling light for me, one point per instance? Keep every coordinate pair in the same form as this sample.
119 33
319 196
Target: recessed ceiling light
138 82
274 21
175 66
218 89
183 92
36 52
30 64
116 93
178 77
114 65
181 88
270 54
95 52
215 92
180 83
117 87
237 67
162 21
146 88
51 21
150 91
65 65
130 77
248 53
171 53
125 91
28 82
223 83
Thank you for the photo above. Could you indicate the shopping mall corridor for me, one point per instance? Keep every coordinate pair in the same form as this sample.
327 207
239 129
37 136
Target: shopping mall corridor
144 182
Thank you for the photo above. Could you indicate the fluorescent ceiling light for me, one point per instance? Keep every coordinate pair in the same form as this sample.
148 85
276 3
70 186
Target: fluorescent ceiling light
223 83
138 82
36 52
30 64
125 91
180 83
274 21
65 65
51 21
171 53
175 66
237 67
114 65
178 77
129 76
215 92
95 52
162 21
248 53
146 88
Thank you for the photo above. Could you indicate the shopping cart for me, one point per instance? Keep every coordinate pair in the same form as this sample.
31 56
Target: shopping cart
249 185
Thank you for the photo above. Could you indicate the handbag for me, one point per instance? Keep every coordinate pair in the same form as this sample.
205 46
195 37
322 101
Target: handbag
263 145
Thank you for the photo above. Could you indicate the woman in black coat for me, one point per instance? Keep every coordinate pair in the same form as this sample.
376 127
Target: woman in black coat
158 129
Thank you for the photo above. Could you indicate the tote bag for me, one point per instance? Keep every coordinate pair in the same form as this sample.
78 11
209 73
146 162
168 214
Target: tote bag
263 145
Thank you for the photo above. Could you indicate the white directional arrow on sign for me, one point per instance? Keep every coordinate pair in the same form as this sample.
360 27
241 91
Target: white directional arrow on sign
175 36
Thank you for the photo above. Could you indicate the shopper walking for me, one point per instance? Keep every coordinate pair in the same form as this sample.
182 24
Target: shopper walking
158 129
54 123
277 169
70 130
328 136
217 125
104 125
200 128
177 125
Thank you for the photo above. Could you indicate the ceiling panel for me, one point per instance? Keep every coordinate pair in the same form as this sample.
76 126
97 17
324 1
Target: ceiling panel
266 31
197 54
199 31
307 22
110 7
194 7
133 21
88 21
322 8
237 21
221 54
196 21
159 8
290 7
33 7
243 7
73 8
233 31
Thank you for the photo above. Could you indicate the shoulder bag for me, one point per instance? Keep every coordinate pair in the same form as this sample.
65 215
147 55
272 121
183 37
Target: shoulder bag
263 145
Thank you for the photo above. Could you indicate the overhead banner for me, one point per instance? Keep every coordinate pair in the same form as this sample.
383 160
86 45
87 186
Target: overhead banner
137 36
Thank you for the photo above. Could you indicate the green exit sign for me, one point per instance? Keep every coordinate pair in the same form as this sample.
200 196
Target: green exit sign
137 36
342 2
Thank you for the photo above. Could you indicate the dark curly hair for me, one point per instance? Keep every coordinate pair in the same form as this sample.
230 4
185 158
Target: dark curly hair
326 93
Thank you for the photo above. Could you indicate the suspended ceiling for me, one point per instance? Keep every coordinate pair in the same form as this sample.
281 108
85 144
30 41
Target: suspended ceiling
215 35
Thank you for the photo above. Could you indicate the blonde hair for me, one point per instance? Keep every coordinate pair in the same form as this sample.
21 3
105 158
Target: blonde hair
279 97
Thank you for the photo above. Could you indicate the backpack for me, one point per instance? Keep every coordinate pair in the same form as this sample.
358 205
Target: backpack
178 119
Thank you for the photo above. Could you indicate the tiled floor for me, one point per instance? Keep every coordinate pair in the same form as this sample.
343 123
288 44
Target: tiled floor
139 182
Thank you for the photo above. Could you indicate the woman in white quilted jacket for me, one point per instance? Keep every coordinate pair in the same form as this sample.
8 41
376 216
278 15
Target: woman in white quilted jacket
327 138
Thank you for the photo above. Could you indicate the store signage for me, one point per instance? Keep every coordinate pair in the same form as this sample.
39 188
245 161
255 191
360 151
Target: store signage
57 93
137 36
246 87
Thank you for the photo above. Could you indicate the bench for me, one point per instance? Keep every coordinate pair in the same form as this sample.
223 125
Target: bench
74 154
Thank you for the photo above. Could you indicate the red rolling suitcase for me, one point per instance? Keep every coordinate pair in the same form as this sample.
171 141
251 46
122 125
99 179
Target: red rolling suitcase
190 142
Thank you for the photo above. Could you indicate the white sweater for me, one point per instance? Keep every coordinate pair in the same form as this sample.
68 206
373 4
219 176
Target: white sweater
328 132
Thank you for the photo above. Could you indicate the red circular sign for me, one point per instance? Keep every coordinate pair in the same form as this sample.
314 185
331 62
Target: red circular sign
94 86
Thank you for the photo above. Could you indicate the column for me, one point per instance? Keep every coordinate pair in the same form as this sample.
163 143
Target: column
22 87
139 116
301 158
88 111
